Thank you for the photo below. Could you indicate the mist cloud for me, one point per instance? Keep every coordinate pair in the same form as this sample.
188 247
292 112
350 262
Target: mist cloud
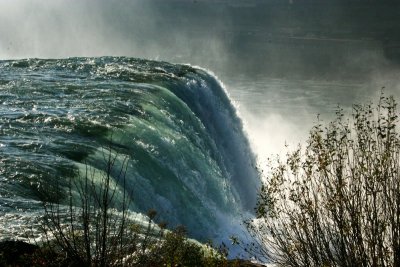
289 39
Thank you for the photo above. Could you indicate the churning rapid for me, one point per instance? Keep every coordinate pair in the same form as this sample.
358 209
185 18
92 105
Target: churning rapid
188 157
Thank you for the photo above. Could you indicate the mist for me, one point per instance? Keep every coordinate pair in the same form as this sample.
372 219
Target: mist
144 29
306 38
283 62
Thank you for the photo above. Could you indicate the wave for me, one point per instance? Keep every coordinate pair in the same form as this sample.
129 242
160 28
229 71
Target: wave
188 157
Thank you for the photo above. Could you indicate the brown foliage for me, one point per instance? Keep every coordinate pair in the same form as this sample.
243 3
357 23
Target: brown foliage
336 202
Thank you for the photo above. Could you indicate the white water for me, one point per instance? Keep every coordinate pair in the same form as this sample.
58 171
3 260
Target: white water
279 113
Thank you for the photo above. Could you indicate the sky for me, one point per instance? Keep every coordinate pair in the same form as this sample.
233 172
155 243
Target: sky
273 37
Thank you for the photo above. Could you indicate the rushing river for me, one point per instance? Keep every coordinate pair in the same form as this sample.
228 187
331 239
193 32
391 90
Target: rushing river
188 157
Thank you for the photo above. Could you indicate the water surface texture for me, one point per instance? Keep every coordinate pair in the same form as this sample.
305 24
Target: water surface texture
187 155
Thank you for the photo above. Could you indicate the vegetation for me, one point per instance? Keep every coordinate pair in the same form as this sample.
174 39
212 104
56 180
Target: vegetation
177 250
335 202
96 228
174 249
91 229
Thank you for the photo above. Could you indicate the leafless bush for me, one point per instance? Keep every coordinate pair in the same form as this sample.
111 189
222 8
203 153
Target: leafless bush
337 201
93 228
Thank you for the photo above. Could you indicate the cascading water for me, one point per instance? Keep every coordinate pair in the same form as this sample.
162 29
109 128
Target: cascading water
187 155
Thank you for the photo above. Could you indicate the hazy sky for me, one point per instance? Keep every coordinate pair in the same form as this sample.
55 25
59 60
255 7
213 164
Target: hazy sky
305 37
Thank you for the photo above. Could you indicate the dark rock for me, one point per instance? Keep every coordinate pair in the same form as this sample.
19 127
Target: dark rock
11 252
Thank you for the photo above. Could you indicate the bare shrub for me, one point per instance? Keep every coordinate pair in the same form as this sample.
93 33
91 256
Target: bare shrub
93 228
337 201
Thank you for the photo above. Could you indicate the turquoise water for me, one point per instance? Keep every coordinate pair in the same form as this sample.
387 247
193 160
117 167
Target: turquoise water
187 155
